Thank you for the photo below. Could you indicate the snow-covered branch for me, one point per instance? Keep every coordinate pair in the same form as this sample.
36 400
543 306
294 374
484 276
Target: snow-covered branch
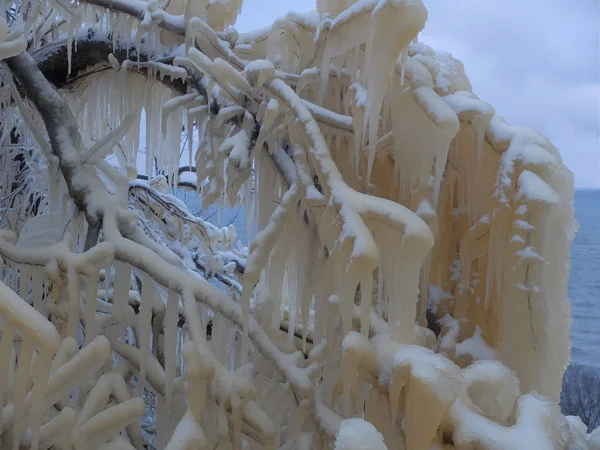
139 9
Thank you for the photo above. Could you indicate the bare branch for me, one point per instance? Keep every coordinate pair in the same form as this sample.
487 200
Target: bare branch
580 395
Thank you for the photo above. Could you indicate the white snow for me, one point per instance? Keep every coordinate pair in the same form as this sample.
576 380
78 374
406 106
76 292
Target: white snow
476 347
528 253
436 295
532 187
356 434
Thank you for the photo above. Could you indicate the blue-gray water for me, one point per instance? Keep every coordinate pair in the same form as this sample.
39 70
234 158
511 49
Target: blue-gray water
584 282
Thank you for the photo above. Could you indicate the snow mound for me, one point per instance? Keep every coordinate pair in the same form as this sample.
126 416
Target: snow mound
357 434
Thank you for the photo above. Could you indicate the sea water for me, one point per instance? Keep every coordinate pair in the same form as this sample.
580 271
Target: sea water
584 281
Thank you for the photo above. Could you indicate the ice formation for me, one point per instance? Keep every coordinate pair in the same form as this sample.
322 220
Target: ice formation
383 200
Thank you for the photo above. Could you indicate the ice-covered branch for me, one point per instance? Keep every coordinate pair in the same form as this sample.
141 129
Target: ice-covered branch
163 205
92 57
176 25
60 253
65 141
11 47
62 131
138 9
203 292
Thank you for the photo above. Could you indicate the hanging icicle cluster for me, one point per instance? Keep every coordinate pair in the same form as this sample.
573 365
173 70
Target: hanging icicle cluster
377 189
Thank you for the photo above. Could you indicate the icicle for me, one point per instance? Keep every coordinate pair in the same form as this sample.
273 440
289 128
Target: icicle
382 51
173 105
199 374
107 281
23 282
74 288
40 381
222 424
6 349
115 30
236 415
361 398
146 301
72 25
129 24
403 60
121 289
190 137
348 368
261 248
37 289
90 307
366 292
163 423
21 384
171 320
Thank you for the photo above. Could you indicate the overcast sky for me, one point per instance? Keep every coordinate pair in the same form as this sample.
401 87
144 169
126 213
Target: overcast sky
536 61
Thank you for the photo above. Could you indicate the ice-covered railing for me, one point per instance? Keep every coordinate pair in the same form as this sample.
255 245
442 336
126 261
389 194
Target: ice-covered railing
52 363
386 197
95 423
38 344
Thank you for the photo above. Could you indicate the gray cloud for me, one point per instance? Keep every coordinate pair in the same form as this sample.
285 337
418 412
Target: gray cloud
536 61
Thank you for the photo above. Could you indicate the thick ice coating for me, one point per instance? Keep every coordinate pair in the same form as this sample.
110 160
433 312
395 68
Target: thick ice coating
405 281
